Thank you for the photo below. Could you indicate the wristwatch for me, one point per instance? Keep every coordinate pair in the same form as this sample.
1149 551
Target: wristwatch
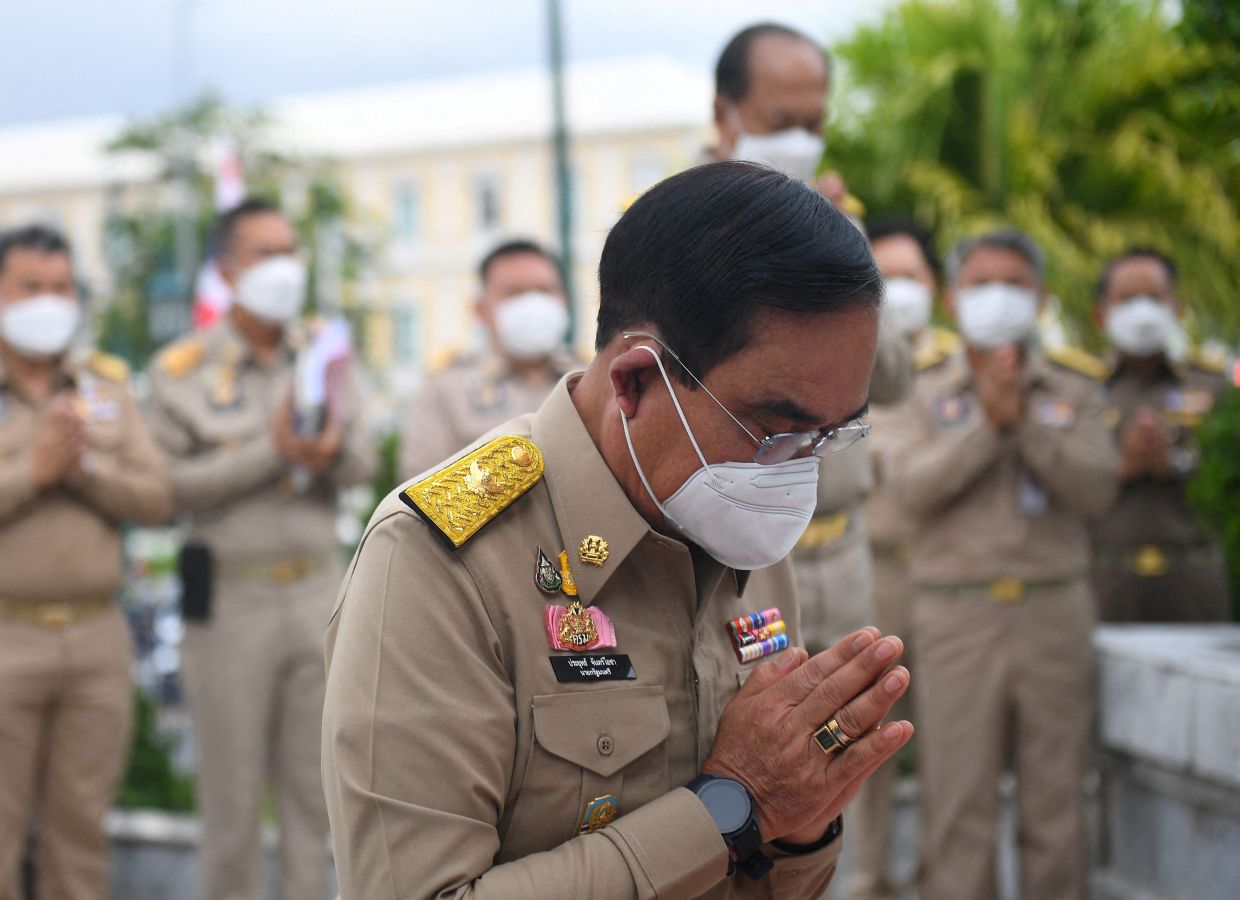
730 805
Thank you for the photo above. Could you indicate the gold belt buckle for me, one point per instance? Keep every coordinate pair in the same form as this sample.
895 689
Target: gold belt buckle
55 615
1150 561
287 570
1007 590
824 530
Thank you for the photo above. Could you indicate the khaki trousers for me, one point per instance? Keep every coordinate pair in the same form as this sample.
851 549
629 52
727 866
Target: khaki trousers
835 586
997 682
254 679
870 814
66 715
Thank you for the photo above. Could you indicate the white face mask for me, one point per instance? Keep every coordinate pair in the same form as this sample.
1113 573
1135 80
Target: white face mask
745 515
909 303
1141 326
531 325
793 151
274 289
41 326
991 315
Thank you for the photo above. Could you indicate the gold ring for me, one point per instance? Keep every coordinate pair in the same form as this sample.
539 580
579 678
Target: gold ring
831 738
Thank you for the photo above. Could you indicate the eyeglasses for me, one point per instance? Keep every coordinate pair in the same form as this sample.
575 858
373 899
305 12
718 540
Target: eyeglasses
777 448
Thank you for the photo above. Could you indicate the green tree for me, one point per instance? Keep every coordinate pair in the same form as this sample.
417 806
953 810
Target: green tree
1091 124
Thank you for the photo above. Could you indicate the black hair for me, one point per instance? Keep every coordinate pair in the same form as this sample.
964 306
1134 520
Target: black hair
226 224
42 238
890 226
700 254
732 70
1173 272
1012 240
514 248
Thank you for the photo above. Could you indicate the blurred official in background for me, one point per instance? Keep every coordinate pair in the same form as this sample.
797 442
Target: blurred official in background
1001 461
1153 561
76 462
256 475
770 101
525 312
905 257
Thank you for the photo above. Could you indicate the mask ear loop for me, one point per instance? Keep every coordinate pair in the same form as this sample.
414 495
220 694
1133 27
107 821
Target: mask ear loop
628 437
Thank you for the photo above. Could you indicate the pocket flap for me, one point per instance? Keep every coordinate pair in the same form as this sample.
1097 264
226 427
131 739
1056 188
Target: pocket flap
602 731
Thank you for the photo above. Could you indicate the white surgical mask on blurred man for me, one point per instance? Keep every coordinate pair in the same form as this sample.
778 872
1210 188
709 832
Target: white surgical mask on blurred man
909 302
1141 326
793 151
274 290
994 314
41 326
532 325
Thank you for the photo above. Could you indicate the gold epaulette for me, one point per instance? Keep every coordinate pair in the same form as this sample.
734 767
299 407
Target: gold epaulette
1080 362
109 367
461 498
938 349
1211 361
183 357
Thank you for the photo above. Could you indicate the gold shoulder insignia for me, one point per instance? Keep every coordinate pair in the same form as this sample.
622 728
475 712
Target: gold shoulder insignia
938 349
183 357
1212 361
469 493
1080 362
109 367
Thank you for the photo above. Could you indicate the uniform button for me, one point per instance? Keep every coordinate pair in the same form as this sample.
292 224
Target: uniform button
605 745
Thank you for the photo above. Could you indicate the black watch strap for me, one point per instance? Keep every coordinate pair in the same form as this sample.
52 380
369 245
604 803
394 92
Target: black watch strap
745 843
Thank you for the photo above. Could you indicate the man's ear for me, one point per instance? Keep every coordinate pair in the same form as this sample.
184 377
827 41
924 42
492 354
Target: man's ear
724 126
630 372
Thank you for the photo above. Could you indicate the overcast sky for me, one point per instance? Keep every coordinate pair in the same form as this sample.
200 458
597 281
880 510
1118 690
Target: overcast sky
66 58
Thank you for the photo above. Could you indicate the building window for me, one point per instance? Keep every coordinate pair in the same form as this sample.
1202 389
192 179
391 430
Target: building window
407 212
488 206
405 333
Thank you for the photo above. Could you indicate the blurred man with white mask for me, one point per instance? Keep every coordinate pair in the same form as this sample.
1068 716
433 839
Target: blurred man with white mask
1000 463
1154 562
76 462
524 311
771 85
256 484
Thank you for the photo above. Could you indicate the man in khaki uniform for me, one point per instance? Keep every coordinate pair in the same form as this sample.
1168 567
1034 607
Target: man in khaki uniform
903 253
530 660
259 498
1001 460
75 463
525 312
1153 560
771 85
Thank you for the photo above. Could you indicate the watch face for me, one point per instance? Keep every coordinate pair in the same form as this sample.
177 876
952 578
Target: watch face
728 804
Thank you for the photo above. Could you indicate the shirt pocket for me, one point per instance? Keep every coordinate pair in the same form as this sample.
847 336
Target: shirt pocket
589 745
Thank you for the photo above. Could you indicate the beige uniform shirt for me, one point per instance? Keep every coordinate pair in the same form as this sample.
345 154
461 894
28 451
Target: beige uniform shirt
213 409
1156 510
457 764
64 543
473 394
846 478
989 505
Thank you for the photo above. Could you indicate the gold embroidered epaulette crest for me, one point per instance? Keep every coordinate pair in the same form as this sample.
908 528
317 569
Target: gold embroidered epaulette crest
1212 361
109 367
1080 362
940 346
461 498
182 357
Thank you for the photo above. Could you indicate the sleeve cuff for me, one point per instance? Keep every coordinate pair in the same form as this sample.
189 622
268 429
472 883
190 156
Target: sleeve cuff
672 846
805 870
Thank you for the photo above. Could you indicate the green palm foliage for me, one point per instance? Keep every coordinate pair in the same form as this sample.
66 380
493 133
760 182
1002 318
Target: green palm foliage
1091 124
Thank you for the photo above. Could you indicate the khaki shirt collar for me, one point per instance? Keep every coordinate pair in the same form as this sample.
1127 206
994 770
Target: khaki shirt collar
66 372
230 347
585 496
